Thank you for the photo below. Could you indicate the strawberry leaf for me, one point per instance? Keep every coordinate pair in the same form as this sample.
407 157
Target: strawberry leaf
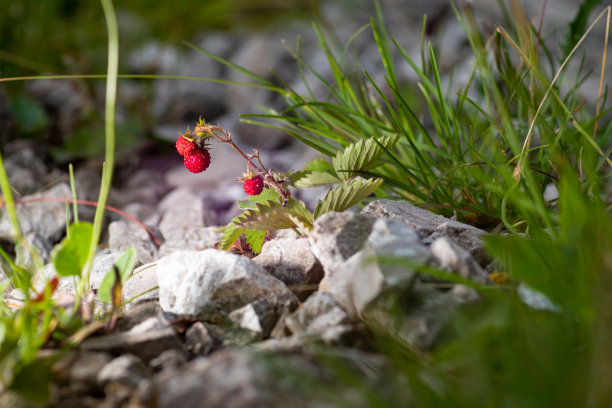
230 235
361 155
255 239
346 195
316 179
273 216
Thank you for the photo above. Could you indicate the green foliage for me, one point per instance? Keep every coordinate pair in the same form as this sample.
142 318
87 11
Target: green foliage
578 25
346 195
124 265
70 255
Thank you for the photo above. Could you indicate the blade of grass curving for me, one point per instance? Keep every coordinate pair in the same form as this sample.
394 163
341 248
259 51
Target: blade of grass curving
443 107
75 205
8 201
109 154
406 131
381 37
233 66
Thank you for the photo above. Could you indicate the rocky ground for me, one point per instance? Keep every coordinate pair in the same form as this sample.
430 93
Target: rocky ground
212 324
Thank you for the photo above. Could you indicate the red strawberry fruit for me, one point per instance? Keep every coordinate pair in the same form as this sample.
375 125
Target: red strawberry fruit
197 161
253 186
185 147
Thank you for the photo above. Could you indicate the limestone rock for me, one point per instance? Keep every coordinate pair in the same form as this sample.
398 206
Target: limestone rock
122 236
189 238
182 209
322 317
291 261
428 225
143 280
145 340
127 370
210 284
229 378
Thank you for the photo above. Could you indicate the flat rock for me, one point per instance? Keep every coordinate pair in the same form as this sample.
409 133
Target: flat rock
145 340
229 378
428 225
210 284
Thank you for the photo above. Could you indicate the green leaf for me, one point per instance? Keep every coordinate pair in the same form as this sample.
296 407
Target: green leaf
361 155
255 239
125 266
347 195
273 216
230 235
319 165
267 194
70 255
316 179
578 25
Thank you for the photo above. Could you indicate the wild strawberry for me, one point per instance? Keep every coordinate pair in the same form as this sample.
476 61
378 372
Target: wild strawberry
253 186
185 147
197 161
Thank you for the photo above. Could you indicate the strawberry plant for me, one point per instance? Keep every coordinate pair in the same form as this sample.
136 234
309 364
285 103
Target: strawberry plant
271 205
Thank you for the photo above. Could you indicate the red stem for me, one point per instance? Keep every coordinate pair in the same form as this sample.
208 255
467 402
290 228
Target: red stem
93 204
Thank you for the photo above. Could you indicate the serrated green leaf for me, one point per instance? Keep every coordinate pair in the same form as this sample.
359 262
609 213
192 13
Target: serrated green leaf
346 195
267 194
230 235
273 216
360 156
319 165
125 265
70 255
255 239
316 179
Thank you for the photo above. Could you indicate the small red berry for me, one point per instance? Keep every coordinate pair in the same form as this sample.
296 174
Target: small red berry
185 147
253 186
197 161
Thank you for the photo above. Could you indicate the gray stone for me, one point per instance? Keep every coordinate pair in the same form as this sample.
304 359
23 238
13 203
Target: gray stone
352 275
84 368
146 340
127 370
24 167
168 360
190 238
259 316
320 316
453 257
291 261
122 236
182 209
210 284
428 225
141 286
47 219
198 340
413 316
336 237
229 378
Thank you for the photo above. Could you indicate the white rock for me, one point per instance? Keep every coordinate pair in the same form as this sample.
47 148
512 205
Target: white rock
210 284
